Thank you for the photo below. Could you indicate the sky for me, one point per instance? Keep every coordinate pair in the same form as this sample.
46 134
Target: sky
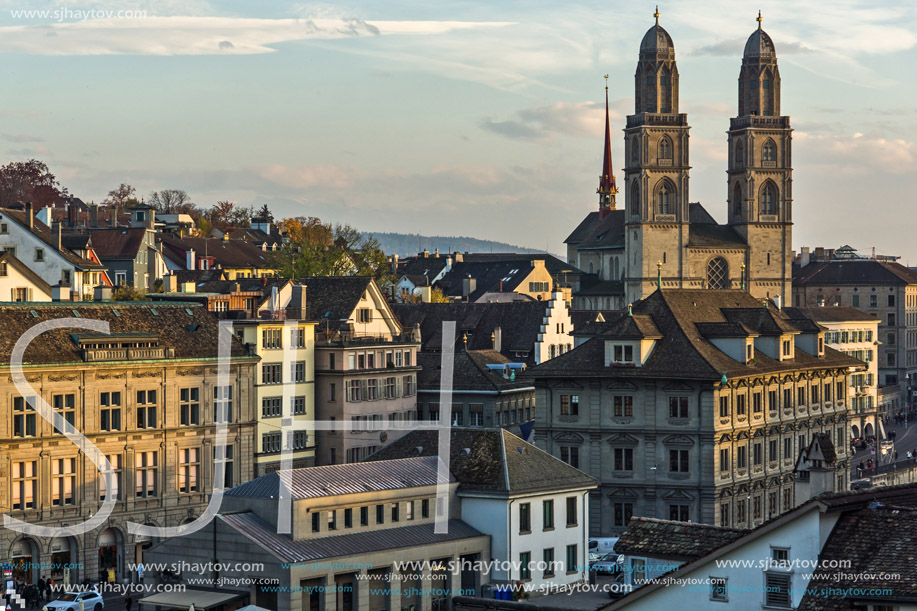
455 117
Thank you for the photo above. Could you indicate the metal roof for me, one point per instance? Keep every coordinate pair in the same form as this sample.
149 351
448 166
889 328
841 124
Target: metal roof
286 549
334 480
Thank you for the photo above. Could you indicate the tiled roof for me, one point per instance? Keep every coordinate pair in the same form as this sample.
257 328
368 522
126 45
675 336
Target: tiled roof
334 298
226 253
830 314
605 287
876 541
685 352
704 234
597 231
198 275
638 326
44 233
492 460
284 548
470 371
855 271
118 242
672 540
724 329
351 478
188 328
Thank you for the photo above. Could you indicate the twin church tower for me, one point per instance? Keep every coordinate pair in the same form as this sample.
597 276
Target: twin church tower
659 238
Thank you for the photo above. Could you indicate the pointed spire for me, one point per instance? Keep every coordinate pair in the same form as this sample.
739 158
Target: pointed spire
760 19
607 188
656 14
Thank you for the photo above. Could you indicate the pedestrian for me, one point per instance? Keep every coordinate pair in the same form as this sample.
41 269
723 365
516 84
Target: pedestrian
128 602
41 585
896 455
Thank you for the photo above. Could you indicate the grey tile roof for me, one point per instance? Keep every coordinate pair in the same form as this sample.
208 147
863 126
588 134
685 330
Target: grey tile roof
334 298
491 460
351 478
703 234
856 271
227 253
673 540
286 549
598 231
470 371
830 314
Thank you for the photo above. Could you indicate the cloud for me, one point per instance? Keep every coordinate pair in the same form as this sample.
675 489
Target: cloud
857 153
182 35
578 119
21 138
308 176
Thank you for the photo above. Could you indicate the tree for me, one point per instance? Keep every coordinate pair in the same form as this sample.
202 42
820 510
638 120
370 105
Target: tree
171 201
438 296
221 214
122 197
30 181
127 293
264 213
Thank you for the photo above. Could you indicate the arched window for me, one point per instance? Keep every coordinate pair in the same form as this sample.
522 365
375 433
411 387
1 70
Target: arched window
769 152
635 198
718 274
739 154
664 199
737 200
591 268
634 151
769 199
665 148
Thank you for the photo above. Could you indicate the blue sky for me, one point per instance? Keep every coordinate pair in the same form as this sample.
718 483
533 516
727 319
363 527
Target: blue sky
454 117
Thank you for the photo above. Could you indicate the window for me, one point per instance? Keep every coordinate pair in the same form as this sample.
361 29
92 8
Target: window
737 200
298 371
300 440
189 466
115 461
787 398
624 406
394 508
624 459
623 353
813 394
780 556
664 199
787 348
272 373
717 274
39 254
569 405
572 564
146 468
891 338
777 589
678 461
756 403
365 315
63 480
638 570
372 390
146 409
364 516
772 503
724 459
635 195
678 407
190 406
679 513
665 146
298 338
718 589
4 228
525 518
891 301
740 405
873 301
623 512
772 450
570 455
316 522
224 454
891 361
787 499
332 519
222 403
24 417
348 518
741 457
547 557
772 400
855 301
271 442
272 339
380 514
525 569
724 406
298 406
25 484
332 392
407 387
476 414
389 388
547 514
110 411
352 388
801 395
757 454
769 152
571 511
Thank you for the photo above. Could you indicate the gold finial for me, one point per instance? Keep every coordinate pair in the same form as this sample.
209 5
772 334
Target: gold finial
656 14
606 83
760 19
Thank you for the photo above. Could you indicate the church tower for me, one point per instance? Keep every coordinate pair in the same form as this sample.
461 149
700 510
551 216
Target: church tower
656 172
760 172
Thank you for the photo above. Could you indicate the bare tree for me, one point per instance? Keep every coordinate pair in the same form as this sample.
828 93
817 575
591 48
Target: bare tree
171 201
121 196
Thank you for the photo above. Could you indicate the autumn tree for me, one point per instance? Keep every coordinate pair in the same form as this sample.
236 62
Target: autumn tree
122 196
171 201
30 181
314 248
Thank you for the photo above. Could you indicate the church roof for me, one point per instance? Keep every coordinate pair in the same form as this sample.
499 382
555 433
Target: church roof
760 45
597 231
657 40
707 234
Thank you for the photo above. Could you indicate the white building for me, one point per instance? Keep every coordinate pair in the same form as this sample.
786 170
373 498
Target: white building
19 283
534 507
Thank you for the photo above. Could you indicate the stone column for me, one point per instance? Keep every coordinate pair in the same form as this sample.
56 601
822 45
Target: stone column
361 586
394 585
329 596
426 585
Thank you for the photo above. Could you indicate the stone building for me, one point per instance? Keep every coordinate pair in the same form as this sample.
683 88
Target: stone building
146 395
660 235
694 406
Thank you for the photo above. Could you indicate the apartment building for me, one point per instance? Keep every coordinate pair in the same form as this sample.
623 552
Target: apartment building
147 394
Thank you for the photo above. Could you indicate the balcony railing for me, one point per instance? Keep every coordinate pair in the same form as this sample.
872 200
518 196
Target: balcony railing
127 354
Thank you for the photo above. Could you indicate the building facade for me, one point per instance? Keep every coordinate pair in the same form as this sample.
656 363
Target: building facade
146 395
694 406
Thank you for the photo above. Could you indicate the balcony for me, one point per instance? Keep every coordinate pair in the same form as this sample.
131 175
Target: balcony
759 121
652 118
127 354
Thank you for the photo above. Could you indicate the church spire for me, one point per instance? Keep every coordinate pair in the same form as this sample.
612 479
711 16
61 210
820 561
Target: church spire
607 188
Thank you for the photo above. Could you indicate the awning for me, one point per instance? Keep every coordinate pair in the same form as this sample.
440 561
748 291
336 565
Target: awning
201 599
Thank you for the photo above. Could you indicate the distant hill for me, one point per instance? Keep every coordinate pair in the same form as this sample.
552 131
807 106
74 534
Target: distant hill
409 244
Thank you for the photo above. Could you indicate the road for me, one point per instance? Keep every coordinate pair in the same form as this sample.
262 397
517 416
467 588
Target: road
905 439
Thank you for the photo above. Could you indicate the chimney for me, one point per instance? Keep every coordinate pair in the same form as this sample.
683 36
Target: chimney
425 253
60 292
777 301
236 287
56 230
263 280
101 293
170 283
71 215
449 262
226 235
498 339
113 221
94 216
804 256
394 264
190 262
469 285
30 215
459 257
437 253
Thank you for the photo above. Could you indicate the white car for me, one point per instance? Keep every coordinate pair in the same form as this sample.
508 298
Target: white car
609 564
70 601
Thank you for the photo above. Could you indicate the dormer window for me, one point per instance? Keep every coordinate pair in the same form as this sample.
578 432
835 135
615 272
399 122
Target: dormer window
787 348
623 353
821 345
749 351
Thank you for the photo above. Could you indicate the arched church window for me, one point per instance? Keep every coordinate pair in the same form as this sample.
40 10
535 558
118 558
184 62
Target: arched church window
664 200
635 199
717 274
739 154
737 200
665 148
769 199
770 151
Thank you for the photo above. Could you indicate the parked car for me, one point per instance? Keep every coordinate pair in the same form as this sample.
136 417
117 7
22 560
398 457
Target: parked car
600 546
70 601
609 564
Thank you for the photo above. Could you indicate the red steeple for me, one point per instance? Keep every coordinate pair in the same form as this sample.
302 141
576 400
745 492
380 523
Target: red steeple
607 189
